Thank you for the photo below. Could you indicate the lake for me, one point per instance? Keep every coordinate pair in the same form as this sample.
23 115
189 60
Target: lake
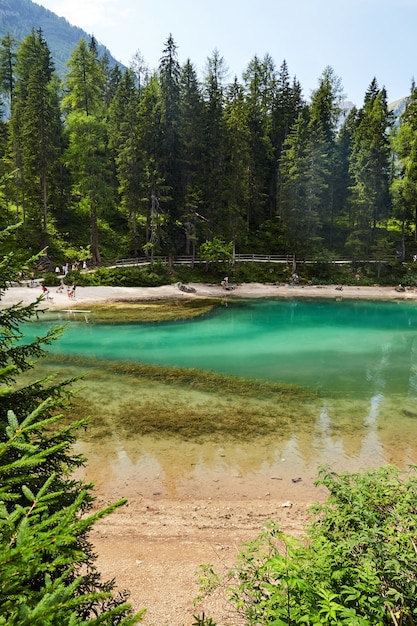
358 357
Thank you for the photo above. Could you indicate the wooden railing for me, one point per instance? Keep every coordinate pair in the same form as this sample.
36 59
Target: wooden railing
189 260
240 258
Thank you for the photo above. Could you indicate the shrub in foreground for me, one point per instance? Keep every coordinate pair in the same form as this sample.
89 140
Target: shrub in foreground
357 564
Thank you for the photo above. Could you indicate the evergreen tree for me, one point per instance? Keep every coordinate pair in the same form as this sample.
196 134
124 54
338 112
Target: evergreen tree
47 563
343 180
214 141
191 150
154 191
237 163
370 169
112 77
404 187
87 154
287 106
169 79
140 69
324 114
36 132
259 80
124 143
8 58
298 216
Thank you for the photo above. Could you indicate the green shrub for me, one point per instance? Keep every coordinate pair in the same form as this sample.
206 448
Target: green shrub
150 276
357 564
261 272
51 280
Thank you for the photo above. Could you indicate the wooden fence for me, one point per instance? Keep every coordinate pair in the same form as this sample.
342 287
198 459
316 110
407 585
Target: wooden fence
240 258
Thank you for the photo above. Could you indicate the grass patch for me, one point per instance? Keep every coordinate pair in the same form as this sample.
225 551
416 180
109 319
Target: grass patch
149 311
135 400
192 378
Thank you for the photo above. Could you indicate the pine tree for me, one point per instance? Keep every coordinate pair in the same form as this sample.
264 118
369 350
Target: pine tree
8 67
325 113
169 79
404 187
214 141
287 106
191 150
36 132
370 169
259 78
87 155
154 192
47 564
124 143
237 163
298 223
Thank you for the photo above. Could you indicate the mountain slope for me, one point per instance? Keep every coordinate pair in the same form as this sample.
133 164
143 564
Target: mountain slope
19 16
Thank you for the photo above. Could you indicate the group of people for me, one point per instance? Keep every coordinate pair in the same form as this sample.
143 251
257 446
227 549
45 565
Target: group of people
70 290
65 268
60 289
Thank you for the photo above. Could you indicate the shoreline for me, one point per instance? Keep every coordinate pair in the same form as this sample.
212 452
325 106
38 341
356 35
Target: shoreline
102 295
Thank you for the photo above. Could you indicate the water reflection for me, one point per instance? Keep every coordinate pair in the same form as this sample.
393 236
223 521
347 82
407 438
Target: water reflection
150 466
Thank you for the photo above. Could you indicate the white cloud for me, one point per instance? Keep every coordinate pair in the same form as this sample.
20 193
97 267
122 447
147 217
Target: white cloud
90 15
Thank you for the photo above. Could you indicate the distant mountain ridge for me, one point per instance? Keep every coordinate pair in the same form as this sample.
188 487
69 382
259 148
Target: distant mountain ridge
19 16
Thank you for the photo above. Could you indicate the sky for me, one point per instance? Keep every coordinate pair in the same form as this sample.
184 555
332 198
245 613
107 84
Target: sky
359 39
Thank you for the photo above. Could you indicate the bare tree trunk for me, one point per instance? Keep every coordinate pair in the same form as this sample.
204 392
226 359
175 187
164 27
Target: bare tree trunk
45 204
95 252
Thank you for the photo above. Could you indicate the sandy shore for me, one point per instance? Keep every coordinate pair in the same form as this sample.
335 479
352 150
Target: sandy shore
155 545
89 295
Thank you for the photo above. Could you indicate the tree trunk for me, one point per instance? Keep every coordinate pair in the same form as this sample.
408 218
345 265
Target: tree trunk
95 252
44 204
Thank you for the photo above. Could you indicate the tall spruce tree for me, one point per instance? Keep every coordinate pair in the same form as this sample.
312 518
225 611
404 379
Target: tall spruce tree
154 192
287 106
214 141
237 163
191 150
36 133
298 217
370 170
169 78
259 81
124 143
343 181
404 187
8 57
324 115
87 155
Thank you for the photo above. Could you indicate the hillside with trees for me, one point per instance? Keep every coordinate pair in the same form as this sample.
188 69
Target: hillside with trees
104 163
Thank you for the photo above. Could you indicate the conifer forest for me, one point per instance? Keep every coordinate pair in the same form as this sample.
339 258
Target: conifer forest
104 163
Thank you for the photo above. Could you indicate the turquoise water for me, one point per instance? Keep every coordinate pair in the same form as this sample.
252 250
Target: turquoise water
360 355
357 348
